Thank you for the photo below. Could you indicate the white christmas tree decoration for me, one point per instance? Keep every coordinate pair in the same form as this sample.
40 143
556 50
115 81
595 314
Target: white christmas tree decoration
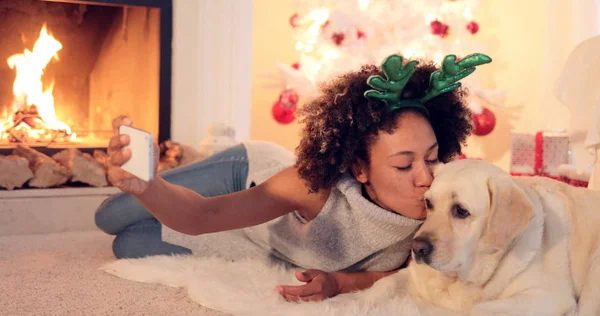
336 36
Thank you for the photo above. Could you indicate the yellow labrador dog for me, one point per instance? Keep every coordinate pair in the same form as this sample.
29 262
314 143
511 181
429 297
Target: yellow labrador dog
494 244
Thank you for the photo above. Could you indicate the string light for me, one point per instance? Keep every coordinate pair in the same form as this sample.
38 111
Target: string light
363 4
468 14
438 57
331 54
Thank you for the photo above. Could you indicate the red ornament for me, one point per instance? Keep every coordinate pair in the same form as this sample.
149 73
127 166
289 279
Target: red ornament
439 28
484 122
282 114
360 34
284 110
289 98
436 27
445 31
296 66
473 27
338 38
294 20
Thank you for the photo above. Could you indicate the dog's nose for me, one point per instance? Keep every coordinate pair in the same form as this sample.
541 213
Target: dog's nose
422 247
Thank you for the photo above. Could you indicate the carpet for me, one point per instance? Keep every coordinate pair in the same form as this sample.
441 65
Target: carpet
65 274
58 274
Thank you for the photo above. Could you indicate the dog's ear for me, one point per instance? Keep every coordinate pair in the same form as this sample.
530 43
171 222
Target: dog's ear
511 211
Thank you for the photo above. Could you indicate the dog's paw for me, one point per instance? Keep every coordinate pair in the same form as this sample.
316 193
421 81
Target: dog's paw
383 290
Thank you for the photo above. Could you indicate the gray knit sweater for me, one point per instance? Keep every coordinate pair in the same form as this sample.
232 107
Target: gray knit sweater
349 234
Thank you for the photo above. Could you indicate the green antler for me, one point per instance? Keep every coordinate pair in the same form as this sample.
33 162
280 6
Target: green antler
389 90
446 79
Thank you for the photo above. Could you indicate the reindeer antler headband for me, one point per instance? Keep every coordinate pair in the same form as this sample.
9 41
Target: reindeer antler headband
389 90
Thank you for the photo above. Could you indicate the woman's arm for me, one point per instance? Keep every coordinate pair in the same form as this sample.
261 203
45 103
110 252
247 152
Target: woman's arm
188 212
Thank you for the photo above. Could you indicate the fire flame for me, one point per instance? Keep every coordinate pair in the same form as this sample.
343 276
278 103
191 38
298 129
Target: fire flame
28 88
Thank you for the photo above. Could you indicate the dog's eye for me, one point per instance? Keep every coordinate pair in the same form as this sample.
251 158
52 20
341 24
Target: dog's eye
428 204
460 212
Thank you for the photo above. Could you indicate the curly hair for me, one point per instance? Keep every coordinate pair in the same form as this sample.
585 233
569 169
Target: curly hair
341 124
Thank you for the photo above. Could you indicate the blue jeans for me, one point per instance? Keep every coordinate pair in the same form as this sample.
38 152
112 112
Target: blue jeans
138 233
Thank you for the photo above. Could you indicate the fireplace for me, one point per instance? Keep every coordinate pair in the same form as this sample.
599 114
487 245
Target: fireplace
67 68
202 30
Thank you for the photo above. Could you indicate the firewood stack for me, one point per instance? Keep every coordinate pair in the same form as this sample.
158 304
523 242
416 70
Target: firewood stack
173 155
46 171
15 171
82 167
27 166
170 155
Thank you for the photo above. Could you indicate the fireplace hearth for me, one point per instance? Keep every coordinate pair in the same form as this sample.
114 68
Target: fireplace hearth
67 68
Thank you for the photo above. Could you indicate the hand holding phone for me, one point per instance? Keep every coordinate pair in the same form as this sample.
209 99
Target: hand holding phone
141 164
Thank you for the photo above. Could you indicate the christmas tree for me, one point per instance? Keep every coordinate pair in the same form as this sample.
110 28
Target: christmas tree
335 36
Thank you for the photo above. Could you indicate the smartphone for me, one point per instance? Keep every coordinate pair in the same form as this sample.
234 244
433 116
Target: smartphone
141 163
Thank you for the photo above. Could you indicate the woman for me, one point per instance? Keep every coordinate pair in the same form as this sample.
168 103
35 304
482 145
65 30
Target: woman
345 208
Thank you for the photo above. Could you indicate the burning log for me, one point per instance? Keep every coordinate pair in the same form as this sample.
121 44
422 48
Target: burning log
46 172
83 167
35 123
28 126
15 172
30 116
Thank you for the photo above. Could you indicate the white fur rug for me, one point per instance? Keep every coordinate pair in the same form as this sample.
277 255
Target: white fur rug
247 287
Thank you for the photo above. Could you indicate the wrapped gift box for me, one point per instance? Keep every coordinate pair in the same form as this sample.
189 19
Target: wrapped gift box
569 174
539 153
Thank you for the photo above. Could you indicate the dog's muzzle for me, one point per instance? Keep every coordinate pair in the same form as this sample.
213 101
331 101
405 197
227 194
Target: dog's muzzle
422 247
